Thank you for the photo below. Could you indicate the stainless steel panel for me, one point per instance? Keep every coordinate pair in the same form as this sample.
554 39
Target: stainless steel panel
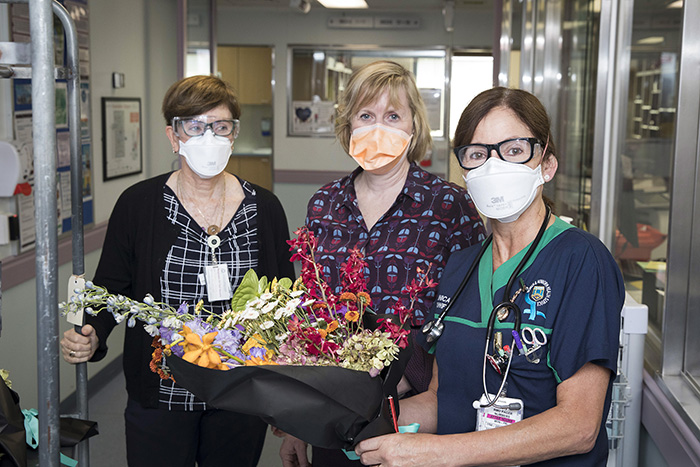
682 292
527 47
601 215
505 43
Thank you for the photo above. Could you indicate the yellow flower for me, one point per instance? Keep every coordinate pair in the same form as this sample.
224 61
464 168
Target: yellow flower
198 307
352 316
256 340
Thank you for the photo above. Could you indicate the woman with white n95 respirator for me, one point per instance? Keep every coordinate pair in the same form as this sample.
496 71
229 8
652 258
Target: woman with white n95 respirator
185 237
525 326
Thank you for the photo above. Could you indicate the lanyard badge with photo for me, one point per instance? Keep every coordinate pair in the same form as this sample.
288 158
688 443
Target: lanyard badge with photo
216 275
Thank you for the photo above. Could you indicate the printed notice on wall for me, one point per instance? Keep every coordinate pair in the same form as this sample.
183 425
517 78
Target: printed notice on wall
313 117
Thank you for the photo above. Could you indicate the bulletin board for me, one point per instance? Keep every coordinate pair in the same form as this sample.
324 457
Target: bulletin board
22 126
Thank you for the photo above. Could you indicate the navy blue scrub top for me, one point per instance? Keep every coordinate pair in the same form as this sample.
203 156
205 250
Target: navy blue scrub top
575 293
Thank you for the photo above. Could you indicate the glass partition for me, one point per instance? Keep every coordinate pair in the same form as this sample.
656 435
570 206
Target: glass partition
318 76
646 157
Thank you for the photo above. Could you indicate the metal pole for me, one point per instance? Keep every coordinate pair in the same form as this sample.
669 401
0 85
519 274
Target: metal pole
635 325
76 162
44 137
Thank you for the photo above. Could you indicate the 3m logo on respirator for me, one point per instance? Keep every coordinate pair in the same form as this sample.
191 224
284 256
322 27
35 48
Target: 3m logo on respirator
497 199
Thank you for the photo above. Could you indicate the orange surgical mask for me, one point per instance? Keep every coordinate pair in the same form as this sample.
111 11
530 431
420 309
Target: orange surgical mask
376 146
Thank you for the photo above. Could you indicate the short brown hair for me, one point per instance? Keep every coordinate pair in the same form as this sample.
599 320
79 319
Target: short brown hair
526 106
196 95
366 84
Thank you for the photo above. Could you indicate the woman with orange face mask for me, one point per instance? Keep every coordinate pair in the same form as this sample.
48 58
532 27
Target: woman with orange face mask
401 217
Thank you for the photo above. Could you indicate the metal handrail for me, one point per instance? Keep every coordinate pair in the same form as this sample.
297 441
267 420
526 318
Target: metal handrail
44 142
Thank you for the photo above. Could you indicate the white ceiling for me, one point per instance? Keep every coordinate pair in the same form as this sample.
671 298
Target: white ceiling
376 5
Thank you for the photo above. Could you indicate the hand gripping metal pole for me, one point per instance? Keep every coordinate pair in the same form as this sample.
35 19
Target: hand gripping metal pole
76 163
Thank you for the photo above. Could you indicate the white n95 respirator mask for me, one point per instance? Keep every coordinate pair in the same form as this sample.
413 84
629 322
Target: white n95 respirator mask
502 190
206 155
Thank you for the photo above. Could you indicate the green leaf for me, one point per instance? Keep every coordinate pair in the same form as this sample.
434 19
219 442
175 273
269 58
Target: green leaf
247 290
285 283
262 286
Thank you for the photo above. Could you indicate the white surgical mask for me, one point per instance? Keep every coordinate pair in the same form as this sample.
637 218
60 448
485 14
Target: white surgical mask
206 155
502 190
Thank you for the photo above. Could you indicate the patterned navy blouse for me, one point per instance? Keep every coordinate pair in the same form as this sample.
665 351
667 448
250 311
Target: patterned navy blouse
429 220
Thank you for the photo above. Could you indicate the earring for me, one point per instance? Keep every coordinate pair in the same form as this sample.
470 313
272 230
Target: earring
546 177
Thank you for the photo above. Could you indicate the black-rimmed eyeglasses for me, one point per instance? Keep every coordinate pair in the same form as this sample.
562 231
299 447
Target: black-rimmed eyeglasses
517 151
197 126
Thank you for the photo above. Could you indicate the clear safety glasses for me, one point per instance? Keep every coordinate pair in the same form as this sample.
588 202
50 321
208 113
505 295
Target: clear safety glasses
197 126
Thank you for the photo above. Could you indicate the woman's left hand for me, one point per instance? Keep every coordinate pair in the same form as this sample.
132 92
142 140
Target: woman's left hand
398 450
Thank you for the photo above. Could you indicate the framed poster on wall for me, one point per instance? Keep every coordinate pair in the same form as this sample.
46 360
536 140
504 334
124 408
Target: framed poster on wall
121 137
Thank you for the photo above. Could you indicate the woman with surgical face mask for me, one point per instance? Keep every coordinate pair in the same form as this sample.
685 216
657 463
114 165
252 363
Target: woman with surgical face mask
186 236
400 216
545 403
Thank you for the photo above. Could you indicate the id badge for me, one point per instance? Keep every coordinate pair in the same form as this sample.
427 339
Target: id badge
218 283
506 411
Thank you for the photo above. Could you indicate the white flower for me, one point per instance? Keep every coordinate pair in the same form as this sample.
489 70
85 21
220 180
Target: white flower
171 322
309 302
280 313
119 318
267 324
250 313
293 303
255 303
296 293
266 296
152 330
282 337
269 307
378 364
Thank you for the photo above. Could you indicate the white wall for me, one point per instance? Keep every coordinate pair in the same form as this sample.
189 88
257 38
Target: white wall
137 38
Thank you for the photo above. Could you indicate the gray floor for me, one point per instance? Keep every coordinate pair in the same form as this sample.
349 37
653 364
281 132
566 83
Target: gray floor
108 448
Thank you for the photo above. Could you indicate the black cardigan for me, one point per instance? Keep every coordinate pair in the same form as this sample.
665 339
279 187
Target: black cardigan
138 239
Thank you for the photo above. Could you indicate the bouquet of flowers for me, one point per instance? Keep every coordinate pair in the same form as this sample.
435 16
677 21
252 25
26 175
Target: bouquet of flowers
295 347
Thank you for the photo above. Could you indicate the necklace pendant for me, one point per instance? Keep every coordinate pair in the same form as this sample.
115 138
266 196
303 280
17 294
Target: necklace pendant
213 229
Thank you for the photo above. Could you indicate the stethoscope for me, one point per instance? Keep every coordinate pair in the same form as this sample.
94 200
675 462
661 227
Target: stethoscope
434 329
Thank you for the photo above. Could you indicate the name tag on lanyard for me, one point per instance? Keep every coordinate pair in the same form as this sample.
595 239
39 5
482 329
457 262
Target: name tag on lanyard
217 282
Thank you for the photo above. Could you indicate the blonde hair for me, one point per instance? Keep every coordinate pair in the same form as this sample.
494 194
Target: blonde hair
366 84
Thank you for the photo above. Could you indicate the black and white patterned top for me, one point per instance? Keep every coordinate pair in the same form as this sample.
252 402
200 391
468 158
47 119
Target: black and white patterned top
182 277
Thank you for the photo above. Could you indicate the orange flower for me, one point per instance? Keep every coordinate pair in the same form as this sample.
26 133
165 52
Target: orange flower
318 305
364 298
348 296
199 350
352 316
332 326
259 361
